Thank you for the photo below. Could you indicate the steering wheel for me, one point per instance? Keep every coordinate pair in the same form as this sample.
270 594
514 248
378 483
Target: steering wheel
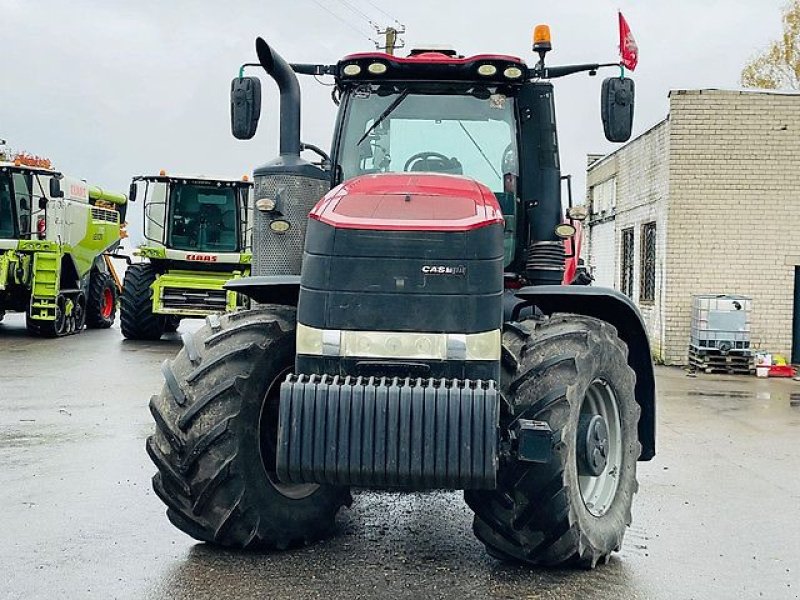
424 158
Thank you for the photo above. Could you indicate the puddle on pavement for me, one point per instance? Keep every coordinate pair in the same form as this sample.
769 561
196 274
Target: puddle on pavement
14 439
727 394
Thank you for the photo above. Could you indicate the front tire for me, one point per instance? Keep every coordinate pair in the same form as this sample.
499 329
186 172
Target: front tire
571 372
216 429
101 304
137 320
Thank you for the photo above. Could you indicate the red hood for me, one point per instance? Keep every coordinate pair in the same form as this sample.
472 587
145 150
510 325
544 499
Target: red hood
409 202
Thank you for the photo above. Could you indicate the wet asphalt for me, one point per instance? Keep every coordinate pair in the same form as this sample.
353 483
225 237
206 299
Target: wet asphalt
717 514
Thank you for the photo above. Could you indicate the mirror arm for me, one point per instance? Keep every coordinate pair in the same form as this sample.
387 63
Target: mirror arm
317 70
552 72
244 66
299 68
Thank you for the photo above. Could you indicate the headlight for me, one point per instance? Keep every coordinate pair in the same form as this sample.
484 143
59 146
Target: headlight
484 346
399 344
513 73
377 68
565 230
390 344
351 70
265 204
309 340
487 70
280 226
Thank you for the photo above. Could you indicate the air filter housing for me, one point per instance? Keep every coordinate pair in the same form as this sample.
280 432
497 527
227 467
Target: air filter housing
292 186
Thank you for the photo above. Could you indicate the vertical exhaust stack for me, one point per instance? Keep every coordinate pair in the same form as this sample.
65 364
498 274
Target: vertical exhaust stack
290 185
289 87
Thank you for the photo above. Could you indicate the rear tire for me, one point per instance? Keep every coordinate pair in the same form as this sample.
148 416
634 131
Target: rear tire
137 319
563 370
101 304
214 444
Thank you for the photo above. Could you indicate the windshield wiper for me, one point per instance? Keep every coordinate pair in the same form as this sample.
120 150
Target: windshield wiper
483 154
389 110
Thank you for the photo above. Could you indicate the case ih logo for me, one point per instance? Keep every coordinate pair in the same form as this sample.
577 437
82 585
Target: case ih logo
202 257
442 270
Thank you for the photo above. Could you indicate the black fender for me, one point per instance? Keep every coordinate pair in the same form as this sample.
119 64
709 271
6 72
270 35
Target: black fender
268 289
618 310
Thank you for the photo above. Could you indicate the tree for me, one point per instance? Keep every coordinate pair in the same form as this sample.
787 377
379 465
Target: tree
778 67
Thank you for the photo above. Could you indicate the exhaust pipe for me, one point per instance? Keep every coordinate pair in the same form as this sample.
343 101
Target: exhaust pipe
284 76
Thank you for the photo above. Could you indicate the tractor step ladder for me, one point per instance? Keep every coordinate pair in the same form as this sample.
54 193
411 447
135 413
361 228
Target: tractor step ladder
46 271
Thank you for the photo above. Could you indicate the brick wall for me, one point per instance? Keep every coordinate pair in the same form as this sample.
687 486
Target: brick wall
734 209
641 170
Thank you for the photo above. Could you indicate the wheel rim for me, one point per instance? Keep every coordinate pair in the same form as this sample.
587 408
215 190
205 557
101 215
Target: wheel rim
268 432
107 305
599 448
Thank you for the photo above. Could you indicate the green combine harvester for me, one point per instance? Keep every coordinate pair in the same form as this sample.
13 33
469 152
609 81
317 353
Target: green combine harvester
196 240
55 236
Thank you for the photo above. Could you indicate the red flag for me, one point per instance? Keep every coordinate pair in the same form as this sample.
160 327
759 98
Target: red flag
628 50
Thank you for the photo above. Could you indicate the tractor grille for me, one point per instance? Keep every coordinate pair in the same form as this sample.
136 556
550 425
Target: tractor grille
282 253
188 299
103 214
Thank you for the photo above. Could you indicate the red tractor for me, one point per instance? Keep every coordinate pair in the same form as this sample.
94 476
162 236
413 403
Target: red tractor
411 329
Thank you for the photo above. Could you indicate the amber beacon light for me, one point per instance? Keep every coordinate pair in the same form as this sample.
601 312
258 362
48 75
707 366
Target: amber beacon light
541 38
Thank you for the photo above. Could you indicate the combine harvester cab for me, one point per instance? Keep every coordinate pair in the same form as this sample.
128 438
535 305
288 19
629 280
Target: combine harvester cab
197 238
414 329
56 234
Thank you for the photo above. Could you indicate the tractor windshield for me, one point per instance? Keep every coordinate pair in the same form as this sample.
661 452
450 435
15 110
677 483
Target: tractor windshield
15 205
204 218
468 132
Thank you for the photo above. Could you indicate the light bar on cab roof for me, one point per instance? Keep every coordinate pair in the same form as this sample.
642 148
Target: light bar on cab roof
432 66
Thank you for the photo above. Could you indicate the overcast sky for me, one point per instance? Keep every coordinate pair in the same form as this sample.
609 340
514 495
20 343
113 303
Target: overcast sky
109 90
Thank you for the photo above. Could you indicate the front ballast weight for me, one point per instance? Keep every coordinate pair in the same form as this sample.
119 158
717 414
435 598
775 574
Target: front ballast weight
389 432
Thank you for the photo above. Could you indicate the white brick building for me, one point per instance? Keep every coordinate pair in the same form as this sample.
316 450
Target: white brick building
707 201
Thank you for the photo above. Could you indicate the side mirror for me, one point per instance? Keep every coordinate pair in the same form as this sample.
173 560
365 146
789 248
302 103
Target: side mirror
245 107
42 203
132 192
55 188
616 108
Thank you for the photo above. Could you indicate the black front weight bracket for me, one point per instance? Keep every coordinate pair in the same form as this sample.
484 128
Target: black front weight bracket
531 441
382 432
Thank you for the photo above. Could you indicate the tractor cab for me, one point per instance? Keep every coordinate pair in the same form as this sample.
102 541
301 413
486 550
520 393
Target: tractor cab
194 214
18 211
487 117
197 237
434 112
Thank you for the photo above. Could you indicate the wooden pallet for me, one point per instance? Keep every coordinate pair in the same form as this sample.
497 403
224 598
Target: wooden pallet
711 360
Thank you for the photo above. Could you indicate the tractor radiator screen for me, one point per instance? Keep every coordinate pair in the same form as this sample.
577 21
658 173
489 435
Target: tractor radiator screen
278 250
